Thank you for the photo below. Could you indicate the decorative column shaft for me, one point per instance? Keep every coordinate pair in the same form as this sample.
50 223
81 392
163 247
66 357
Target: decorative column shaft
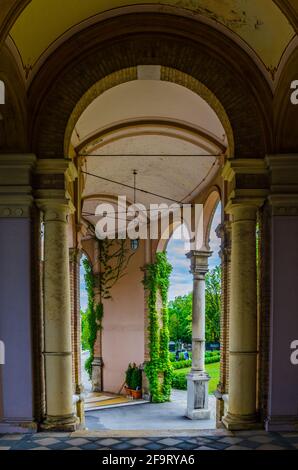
57 316
243 318
197 380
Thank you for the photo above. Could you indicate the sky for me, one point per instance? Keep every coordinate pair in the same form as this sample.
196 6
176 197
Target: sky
181 278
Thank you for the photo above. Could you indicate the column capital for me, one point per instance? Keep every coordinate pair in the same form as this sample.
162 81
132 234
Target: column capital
55 204
199 261
244 208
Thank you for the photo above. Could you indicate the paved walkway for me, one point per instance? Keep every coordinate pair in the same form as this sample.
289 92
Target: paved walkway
150 416
216 440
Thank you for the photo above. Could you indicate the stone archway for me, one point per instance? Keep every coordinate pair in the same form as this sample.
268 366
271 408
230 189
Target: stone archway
188 56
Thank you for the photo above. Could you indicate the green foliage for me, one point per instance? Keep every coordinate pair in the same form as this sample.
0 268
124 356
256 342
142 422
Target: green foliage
180 311
85 330
180 377
179 318
91 324
181 364
209 356
179 381
210 359
213 302
158 369
128 375
134 377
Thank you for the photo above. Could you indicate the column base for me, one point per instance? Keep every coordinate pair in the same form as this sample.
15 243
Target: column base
197 395
241 422
80 405
198 414
60 423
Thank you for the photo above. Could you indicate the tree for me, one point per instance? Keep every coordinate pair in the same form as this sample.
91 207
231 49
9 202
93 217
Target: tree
179 314
213 299
180 311
85 330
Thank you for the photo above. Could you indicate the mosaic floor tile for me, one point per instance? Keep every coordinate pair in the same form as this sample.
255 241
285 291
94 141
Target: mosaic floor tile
246 440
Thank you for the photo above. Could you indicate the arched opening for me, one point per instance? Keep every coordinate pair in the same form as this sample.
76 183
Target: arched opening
174 142
161 105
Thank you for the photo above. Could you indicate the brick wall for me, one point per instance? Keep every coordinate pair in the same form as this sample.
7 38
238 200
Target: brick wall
74 271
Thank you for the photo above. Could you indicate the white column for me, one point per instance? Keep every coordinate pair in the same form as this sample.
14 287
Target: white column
198 379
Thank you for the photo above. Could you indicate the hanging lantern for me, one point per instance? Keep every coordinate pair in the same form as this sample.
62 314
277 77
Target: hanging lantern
134 244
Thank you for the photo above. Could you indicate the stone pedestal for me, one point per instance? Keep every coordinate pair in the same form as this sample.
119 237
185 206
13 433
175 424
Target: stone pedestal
197 395
97 382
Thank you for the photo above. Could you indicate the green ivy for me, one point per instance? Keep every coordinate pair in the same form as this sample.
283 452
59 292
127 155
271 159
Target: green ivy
159 368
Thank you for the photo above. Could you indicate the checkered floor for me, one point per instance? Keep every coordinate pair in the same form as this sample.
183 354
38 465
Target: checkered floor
244 440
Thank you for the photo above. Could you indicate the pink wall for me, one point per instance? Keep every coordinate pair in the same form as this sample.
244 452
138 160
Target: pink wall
123 324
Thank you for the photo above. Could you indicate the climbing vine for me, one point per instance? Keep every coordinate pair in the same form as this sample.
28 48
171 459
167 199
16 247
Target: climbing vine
158 369
112 260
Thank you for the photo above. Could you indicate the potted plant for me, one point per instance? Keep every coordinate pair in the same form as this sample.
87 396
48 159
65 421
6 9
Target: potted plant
134 381
128 377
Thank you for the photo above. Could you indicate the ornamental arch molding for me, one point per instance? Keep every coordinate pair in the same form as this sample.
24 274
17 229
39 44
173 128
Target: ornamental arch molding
68 82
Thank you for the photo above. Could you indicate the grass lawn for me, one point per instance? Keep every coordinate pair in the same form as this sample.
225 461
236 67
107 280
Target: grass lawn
211 369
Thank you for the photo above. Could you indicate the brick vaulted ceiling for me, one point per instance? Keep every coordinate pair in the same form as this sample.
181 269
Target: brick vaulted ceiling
265 28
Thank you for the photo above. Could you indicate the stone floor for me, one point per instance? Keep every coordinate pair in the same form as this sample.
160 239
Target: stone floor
215 440
150 416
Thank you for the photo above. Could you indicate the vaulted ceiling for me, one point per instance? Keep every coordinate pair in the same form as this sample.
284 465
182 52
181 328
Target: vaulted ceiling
260 25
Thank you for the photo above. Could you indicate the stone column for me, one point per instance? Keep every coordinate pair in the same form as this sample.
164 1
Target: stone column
198 379
242 413
57 317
